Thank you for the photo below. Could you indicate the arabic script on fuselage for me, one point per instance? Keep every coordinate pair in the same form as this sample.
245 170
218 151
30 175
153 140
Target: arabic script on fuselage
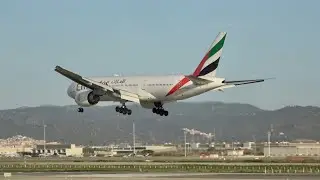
115 81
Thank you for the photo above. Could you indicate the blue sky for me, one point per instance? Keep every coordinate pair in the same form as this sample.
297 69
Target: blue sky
265 39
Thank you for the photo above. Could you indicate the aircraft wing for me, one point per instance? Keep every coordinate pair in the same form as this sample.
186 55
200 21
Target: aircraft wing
229 84
97 87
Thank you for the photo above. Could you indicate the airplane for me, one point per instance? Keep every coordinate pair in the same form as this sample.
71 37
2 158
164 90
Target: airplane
152 92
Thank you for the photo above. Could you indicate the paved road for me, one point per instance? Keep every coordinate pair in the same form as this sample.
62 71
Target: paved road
156 176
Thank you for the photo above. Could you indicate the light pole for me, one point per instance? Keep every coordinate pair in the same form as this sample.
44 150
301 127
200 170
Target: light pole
134 138
269 149
44 137
185 144
232 143
255 144
233 150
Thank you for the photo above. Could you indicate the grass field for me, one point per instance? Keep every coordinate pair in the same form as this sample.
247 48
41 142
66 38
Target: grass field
165 167
163 164
192 159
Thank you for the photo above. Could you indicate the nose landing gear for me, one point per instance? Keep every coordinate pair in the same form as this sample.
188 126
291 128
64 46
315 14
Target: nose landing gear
80 110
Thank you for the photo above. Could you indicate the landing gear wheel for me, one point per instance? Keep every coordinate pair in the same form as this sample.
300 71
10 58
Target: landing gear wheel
158 109
123 110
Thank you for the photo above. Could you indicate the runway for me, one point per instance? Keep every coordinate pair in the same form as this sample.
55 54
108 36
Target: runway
156 176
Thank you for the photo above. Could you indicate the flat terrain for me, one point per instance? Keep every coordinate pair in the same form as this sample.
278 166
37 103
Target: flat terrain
191 159
155 176
142 168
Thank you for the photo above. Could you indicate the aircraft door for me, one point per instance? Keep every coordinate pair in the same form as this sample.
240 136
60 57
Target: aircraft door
145 85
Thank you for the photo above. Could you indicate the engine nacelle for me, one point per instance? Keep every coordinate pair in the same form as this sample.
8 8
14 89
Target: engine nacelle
86 98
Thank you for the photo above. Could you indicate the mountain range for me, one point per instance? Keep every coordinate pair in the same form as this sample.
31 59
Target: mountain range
102 125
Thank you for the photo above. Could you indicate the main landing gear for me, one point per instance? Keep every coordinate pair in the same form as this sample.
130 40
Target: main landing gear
80 110
123 110
159 110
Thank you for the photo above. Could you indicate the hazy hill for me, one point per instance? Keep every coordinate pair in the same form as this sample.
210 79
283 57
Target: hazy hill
102 124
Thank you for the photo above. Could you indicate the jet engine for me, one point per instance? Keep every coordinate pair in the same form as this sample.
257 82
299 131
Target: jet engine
86 98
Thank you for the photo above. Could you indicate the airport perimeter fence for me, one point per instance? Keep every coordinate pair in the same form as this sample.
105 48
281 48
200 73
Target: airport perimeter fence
205 168
165 159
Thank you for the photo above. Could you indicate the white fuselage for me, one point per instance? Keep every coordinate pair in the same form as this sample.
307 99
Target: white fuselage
156 87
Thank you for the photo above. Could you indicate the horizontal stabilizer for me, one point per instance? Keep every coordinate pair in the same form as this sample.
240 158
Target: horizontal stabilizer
221 88
243 82
230 84
198 80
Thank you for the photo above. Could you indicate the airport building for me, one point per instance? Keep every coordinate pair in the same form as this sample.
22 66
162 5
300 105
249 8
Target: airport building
4 150
59 149
235 152
293 149
248 145
127 149
200 146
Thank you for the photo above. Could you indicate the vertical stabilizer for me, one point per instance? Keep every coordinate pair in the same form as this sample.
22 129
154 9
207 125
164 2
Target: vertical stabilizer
209 64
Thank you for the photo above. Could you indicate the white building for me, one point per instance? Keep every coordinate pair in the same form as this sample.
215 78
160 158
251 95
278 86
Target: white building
235 152
162 148
248 145
199 146
59 149
294 149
